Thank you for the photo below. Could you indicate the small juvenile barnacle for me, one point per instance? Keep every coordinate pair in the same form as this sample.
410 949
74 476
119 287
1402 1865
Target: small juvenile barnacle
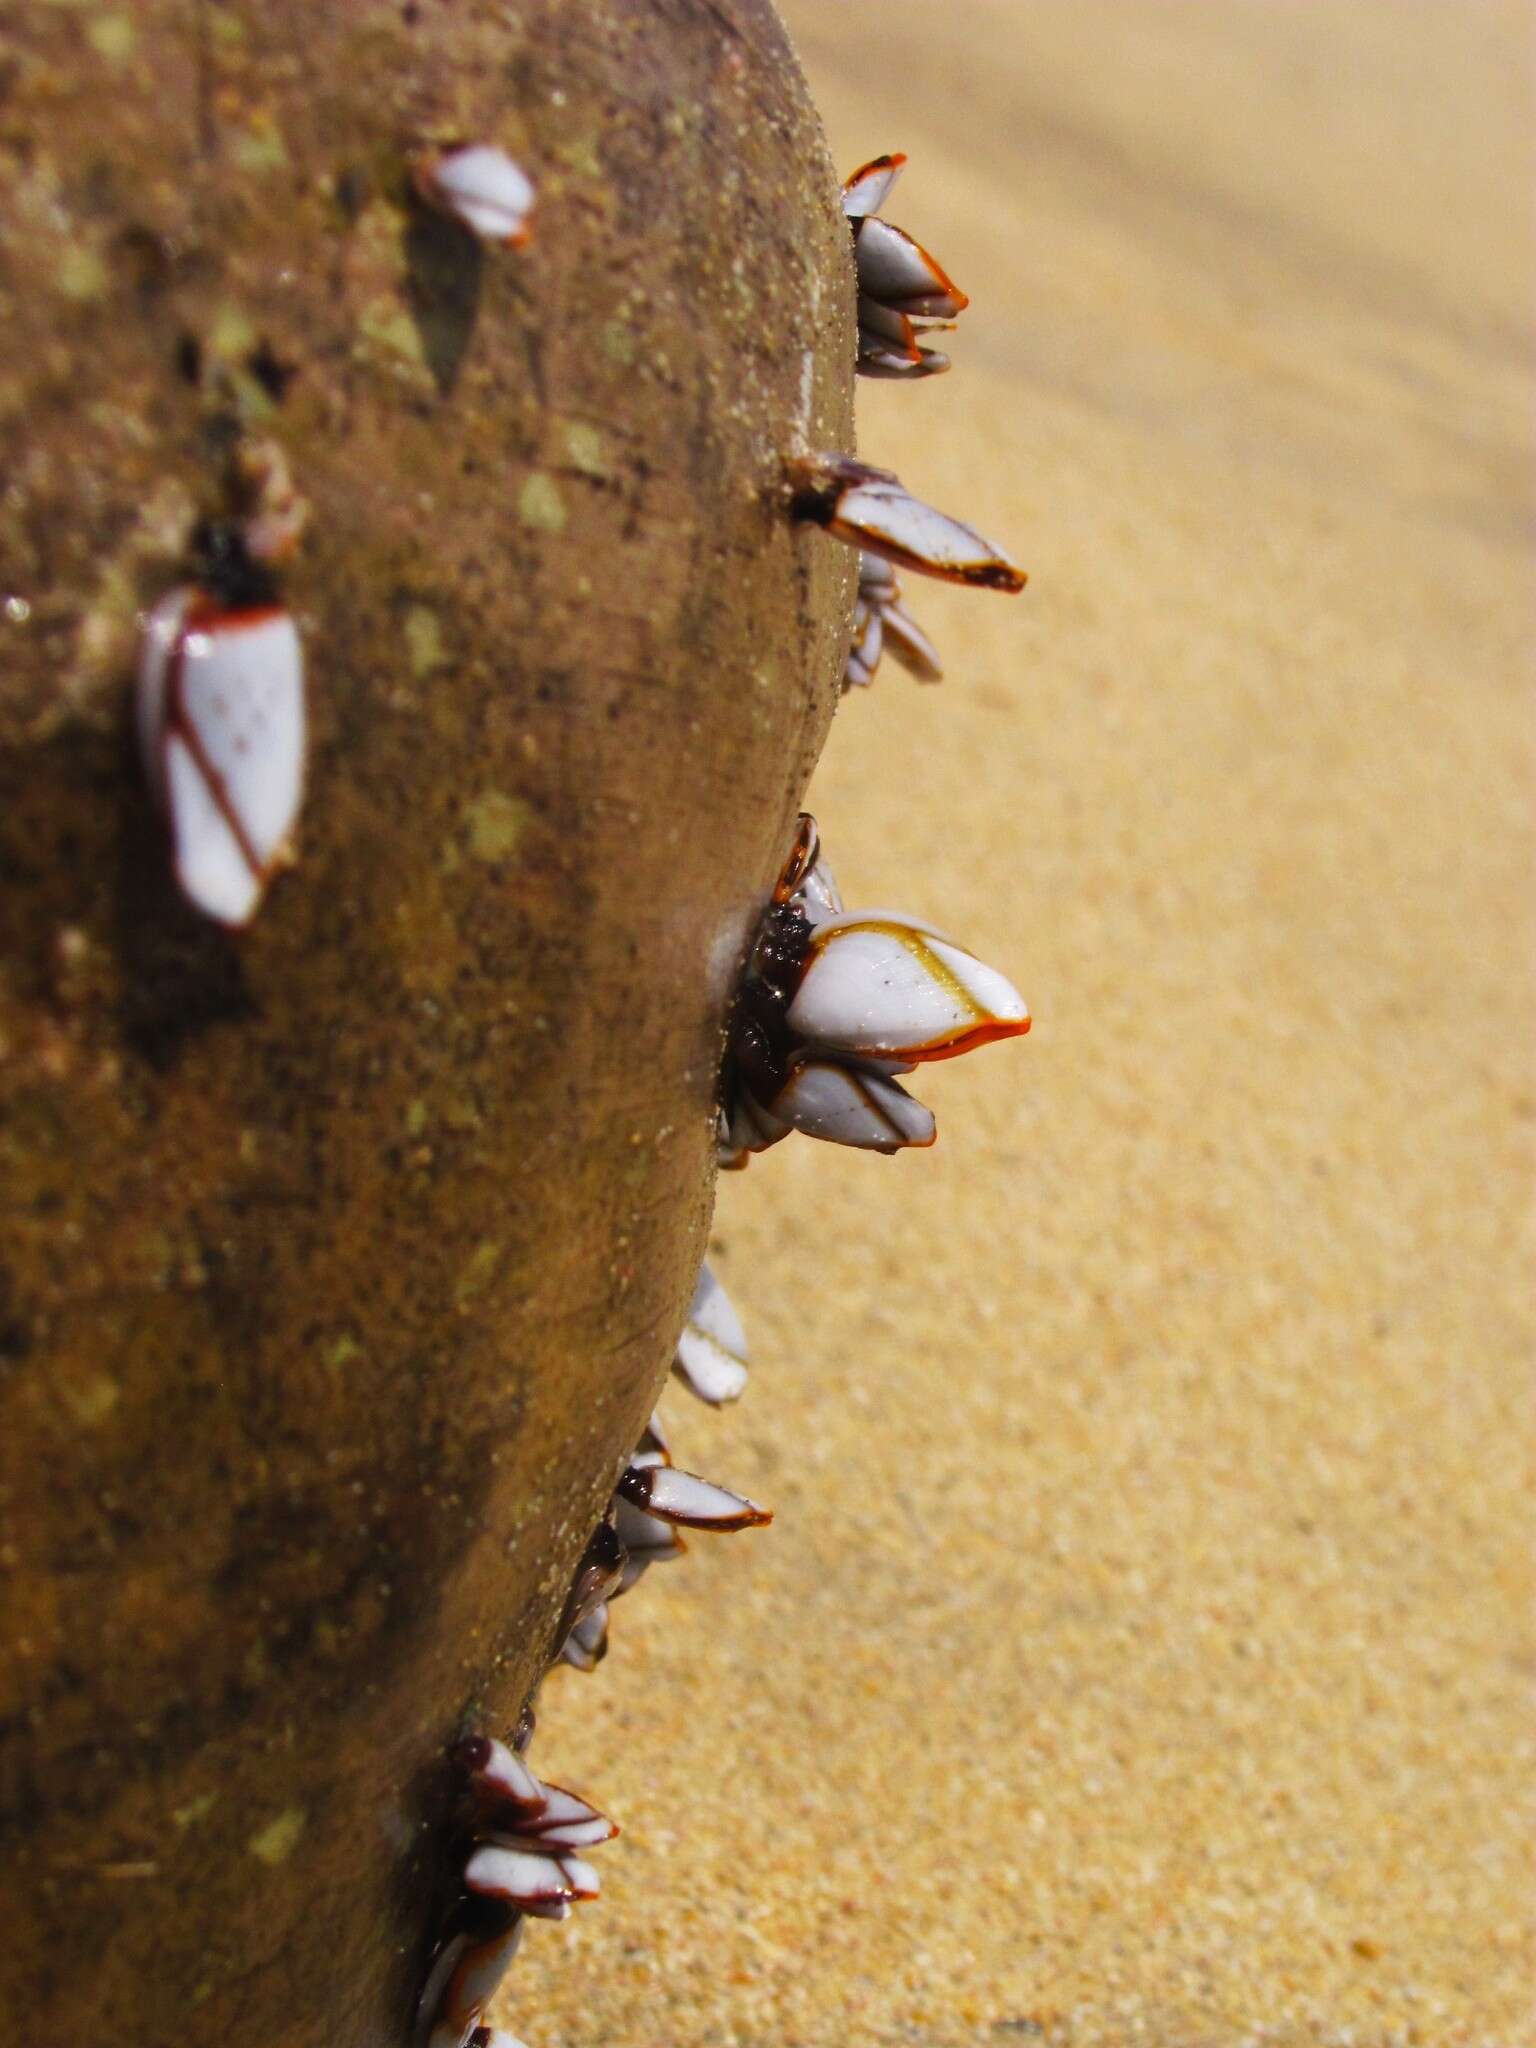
903 291
880 620
481 187
871 509
221 725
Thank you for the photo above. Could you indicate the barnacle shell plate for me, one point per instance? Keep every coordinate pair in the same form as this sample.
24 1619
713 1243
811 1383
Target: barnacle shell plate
485 189
221 722
712 1351
853 1105
878 983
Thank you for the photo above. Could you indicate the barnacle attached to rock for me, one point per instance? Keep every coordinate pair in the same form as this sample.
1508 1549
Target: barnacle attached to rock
686 1501
881 621
834 1005
872 509
273 513
903 292
711 1356
481 187
651 1502
222 729
520 1857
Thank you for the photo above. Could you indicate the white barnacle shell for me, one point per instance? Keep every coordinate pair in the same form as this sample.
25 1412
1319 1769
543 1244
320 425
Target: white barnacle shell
463 1980
748 1126
817 897
222 727
868 640
586 1642
910 644
899 274
870 186
567 1822
871 509
879 985
501 1772
853 1102
712 1351
668 1495
481 186
645 1546
879 619
526 1878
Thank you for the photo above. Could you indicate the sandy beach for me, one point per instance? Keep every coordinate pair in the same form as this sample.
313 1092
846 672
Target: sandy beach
1142 1649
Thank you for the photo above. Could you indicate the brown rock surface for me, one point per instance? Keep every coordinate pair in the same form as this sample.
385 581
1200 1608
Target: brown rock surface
339 1260
1141 1653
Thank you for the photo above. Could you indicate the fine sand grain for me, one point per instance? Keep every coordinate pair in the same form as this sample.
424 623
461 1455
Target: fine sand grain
1141 1651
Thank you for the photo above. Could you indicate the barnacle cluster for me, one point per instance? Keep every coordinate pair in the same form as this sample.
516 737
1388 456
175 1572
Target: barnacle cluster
902 291
517 1844
834 1005
520 1844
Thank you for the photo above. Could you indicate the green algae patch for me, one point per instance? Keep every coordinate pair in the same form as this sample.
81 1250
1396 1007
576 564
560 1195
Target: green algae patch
540 505
495 823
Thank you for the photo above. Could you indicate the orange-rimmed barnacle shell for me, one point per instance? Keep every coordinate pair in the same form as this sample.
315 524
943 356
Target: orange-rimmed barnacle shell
668 1495
464 1979
872 509
903 291
899 274
877 985
868 188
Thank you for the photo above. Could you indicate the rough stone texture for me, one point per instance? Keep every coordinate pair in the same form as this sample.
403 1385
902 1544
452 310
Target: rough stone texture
341 1260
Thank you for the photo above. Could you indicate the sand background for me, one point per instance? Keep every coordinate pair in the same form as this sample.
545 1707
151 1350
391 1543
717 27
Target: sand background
1141 1653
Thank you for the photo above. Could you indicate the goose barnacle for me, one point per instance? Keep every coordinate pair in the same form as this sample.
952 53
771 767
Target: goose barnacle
871 509
832 1007
851 1102
583 1633
464 1979
879 621
903 292
711 1355
879 985
222 730
668 1495
522 1858
481 187
273 515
